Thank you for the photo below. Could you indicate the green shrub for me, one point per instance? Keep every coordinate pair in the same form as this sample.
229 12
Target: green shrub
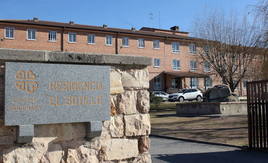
156 100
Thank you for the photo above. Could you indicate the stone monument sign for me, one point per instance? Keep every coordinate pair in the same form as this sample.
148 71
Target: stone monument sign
37 93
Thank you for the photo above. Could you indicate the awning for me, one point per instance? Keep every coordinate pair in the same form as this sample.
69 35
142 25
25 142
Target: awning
186 74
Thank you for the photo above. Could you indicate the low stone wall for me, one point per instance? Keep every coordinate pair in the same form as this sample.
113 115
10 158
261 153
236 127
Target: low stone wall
207 108
124 138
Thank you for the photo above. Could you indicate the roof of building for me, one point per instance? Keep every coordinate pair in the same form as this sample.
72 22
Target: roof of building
72 25
186 74
158 29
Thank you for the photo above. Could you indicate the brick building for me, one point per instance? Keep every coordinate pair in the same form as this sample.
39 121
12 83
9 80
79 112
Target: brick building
175 64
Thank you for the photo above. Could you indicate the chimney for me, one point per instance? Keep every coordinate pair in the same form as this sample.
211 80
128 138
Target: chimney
35 19
104 25
71 22
175 28
133 28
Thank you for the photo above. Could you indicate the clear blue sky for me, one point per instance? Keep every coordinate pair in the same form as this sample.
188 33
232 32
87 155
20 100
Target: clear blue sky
120 13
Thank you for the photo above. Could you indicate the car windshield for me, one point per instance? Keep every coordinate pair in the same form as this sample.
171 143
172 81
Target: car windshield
182 91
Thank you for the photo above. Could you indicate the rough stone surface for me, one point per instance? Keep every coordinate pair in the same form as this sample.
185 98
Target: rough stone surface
97 58
138 124
49 56
82 154
116 126
144 144
118 149
54 154
135 79
22 55
116 86
31 153
115 105
127 102
143 158
143 101
61 132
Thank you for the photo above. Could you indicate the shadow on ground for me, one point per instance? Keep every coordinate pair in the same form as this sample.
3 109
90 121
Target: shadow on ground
236 156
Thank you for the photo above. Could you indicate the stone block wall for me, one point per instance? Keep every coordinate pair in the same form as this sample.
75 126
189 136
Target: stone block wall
208 108
124 138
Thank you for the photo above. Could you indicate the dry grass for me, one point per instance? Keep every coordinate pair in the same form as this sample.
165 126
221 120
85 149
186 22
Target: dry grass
219 129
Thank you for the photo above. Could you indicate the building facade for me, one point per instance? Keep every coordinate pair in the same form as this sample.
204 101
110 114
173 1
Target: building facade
176 63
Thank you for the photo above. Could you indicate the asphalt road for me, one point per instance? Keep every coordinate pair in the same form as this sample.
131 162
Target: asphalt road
176 151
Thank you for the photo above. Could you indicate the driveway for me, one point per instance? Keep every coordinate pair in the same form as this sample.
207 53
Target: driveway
170 150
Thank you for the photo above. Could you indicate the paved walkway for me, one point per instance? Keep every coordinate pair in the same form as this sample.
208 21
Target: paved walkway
177 151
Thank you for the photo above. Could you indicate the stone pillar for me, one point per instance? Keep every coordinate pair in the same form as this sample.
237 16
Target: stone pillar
124 138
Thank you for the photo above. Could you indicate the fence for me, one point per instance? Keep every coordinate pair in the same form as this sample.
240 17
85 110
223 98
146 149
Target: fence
257 101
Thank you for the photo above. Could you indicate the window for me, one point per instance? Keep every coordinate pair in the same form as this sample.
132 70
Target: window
9 32
193 65
141 43
156 44
193 82
176 64
52 35
175 47
173 83
207 66
31 34
208 82
72 37
91 39
156 62
109 40
192 48
157 83
125 41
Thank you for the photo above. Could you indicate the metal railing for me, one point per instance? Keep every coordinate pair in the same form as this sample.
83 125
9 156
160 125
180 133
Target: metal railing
257 101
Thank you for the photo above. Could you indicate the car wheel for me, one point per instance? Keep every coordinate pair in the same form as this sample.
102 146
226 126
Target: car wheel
181 99
199 98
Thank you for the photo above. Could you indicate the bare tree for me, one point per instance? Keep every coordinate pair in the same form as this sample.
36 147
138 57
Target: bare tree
229 45
262 12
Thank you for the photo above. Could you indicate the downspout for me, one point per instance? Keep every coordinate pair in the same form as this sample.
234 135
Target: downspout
62 39
165 76
116 44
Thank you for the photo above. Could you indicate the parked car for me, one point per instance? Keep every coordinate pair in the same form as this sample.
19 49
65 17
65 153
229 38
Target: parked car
186 94
161 94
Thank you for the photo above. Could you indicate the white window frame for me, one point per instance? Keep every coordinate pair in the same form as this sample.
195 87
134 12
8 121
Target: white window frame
107 42
52 37
173 49
124 41
72 33
93 36
157 62
13 30
192 48
157 43
191 65
176 66
207 69
143 43
27 36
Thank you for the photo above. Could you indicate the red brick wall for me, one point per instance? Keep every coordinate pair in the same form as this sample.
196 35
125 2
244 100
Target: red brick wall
164 53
